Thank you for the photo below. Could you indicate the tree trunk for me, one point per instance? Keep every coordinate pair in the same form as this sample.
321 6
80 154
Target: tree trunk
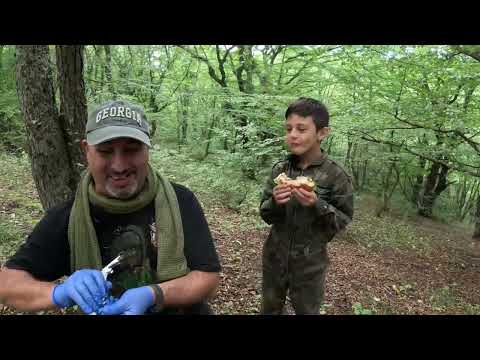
45 142
348 155
417 185
388 187
353 163
364 174
1 58
98 74
125 63
73 106
476 232
245 85
433 186
182 119
184 104
464 194
210 132
224 135
89 69
152 103
108 71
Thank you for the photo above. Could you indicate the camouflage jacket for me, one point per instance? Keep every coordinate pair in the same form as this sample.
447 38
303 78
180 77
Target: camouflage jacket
295 225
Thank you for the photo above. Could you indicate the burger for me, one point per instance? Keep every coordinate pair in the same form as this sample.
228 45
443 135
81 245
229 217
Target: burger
303 182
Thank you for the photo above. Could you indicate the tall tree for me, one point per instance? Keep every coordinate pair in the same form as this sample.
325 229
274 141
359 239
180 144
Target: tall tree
46 144
473 51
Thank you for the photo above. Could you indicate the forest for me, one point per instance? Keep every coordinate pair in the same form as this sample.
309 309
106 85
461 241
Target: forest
405 125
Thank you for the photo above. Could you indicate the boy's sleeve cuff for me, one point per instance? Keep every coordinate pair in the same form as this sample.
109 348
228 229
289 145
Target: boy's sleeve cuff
322 207
273 207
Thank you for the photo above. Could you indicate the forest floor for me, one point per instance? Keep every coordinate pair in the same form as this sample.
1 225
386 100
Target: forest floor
362 279
394 264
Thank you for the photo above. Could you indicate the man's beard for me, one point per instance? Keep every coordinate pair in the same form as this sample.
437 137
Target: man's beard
124 193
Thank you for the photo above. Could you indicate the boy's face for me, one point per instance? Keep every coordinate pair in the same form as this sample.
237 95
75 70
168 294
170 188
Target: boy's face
119 167
302 135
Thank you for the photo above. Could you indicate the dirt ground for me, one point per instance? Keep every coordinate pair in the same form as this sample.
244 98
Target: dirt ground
388 281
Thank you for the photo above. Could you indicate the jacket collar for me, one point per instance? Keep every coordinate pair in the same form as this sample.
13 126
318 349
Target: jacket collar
294 159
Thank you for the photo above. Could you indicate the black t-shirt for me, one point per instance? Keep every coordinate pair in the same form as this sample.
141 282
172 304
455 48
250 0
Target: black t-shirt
46 252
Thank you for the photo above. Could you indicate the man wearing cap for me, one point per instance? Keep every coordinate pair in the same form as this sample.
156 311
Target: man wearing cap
122 207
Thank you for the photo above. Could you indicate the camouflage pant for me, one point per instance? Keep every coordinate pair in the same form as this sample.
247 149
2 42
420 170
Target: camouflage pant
303 279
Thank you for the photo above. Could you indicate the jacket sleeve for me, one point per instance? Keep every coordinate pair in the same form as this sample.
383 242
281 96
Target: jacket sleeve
270 212
334 207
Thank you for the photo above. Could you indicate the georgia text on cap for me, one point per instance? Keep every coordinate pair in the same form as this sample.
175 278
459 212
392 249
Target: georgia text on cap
119 111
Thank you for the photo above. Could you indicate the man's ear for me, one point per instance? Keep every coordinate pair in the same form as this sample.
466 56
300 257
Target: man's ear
323 133
84 146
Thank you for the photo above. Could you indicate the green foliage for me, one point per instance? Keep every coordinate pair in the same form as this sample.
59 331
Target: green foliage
358 309
10 239
12 132
383 233
20 210
389 104
324 308
418 93
19 190
443 299
213 177
472 309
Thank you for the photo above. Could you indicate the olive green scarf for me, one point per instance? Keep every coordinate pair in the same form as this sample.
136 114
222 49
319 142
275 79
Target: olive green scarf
84 248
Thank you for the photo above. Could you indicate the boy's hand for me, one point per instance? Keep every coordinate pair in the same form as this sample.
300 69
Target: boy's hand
304 197
282 194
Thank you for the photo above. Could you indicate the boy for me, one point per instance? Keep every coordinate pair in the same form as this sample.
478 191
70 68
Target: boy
295 252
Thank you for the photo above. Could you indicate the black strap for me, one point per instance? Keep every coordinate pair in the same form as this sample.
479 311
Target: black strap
159 298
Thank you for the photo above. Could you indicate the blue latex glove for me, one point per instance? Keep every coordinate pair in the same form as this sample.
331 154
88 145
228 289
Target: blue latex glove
134 301
84 287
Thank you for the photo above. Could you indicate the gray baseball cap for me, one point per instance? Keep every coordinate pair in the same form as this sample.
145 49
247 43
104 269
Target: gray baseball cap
115 119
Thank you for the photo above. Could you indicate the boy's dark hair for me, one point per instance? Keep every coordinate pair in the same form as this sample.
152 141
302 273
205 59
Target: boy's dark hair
310 107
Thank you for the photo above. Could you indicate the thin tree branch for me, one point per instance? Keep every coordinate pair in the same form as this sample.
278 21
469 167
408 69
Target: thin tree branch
211 70
473 144
297 74
473 54
275 52
453 166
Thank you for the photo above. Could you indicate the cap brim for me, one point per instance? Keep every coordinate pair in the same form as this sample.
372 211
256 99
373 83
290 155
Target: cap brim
107 133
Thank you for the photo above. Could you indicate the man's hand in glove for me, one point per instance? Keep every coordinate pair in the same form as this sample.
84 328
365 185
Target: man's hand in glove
86 287
134 301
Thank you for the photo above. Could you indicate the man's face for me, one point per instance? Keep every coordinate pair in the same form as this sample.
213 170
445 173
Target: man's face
119 167
302 135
